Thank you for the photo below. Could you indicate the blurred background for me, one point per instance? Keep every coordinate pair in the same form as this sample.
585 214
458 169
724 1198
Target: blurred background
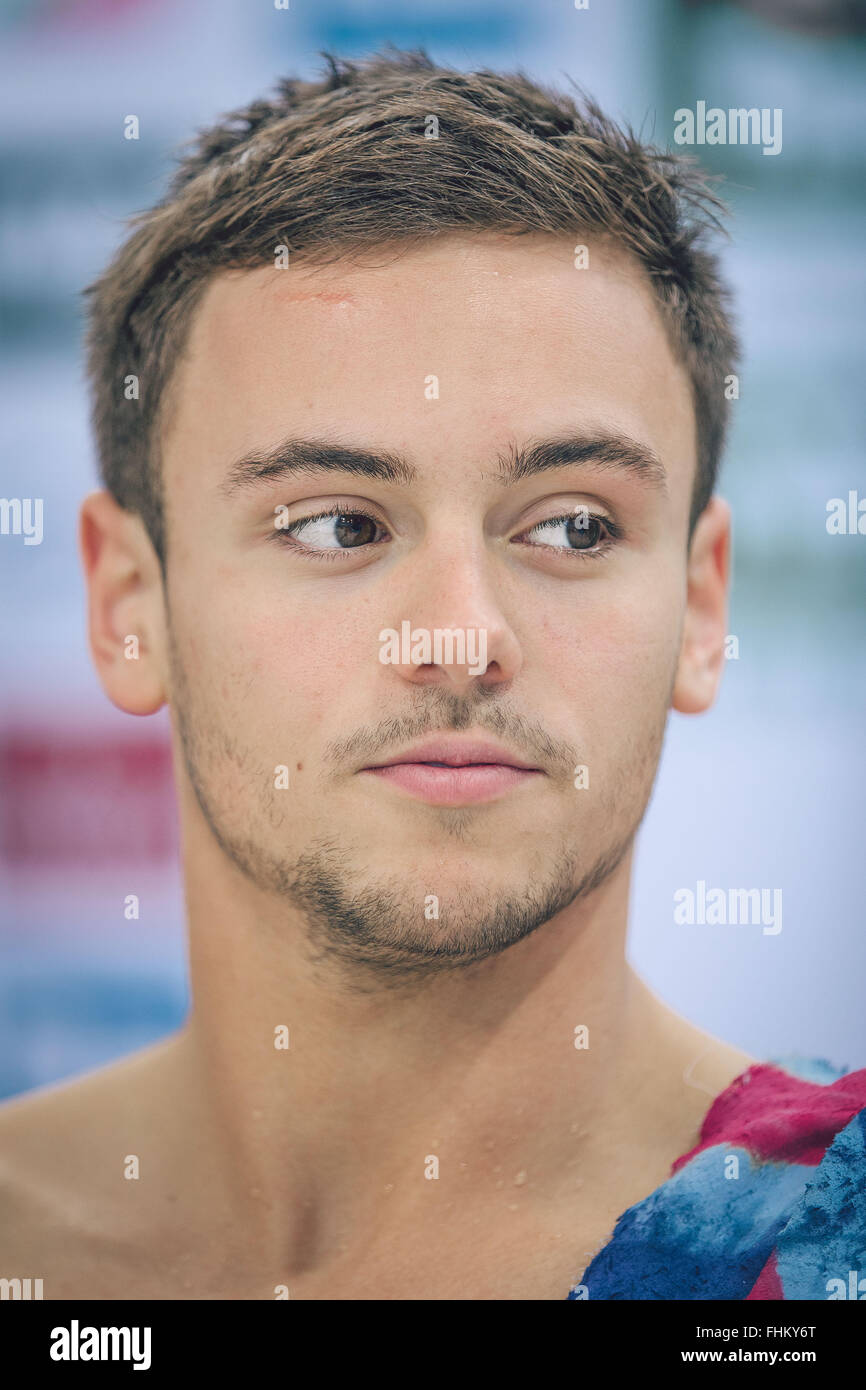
767 790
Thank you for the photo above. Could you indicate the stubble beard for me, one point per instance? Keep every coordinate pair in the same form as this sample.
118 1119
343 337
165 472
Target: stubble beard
384 934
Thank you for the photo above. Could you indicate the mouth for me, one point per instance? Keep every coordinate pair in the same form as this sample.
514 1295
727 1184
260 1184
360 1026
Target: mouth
455 772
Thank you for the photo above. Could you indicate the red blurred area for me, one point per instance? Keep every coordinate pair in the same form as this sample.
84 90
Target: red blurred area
65 14
86 799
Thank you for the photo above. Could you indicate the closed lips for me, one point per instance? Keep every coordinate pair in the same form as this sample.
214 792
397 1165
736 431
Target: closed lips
454 753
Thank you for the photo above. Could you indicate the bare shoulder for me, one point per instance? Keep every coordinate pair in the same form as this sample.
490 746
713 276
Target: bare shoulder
706 1066
713 1064
684 1067
48 1126
62 1155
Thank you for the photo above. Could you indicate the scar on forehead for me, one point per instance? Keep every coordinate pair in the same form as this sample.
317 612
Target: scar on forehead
287 291
327 296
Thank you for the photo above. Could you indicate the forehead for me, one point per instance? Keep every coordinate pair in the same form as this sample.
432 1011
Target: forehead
504 334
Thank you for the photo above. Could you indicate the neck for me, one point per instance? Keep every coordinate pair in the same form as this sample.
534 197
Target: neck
476 1068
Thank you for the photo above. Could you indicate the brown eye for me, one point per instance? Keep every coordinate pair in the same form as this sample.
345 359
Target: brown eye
332 532
576 532
583 533
353 528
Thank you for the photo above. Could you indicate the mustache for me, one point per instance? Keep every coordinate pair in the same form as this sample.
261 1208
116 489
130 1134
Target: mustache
444 712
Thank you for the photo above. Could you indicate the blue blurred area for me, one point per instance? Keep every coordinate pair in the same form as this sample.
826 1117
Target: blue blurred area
767 789
72 1022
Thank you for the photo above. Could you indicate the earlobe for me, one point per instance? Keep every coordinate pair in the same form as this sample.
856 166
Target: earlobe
702 648
125 605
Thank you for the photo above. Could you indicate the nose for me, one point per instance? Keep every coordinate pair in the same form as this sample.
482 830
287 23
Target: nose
449 629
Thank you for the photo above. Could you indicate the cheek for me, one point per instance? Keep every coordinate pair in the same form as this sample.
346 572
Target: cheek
271 665
615 651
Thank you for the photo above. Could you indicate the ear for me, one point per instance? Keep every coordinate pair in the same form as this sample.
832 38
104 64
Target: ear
702 649
126 608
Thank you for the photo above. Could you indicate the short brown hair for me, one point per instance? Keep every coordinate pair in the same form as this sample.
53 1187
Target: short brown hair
340 166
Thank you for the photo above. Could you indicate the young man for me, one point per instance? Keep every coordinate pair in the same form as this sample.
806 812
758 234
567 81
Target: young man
409 399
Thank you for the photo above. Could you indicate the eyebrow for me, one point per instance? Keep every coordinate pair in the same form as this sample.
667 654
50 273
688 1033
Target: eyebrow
293 456
601 450
315 456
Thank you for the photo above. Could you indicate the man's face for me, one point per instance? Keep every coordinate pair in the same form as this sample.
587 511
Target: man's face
455 360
